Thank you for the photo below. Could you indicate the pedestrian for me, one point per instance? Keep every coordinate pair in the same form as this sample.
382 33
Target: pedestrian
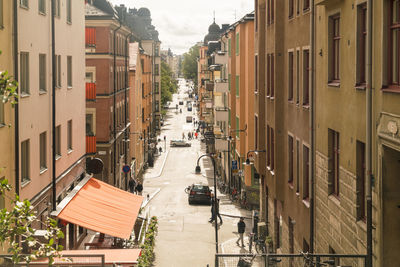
196 134
216 213
132 184
241 228
183 136
139 188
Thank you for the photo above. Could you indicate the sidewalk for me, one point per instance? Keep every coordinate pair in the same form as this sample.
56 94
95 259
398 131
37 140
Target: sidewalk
230 247
154 172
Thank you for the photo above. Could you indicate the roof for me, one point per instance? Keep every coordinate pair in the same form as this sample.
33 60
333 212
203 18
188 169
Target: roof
100 207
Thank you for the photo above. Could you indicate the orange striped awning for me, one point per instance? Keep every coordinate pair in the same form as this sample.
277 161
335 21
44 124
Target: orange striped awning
101 207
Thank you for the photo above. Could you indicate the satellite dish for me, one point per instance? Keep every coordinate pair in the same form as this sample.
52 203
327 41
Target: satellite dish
95 166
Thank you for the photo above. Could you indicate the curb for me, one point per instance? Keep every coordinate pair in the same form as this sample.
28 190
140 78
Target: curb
147 200
161 169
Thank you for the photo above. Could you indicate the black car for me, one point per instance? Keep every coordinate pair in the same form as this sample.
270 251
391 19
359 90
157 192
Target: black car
199 193
181 102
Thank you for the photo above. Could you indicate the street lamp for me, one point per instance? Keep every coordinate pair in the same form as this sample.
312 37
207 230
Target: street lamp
247 162
198 171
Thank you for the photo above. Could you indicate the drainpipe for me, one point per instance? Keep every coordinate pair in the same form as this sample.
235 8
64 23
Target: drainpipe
368 160
16 113
312 127
125 107
114 104
53 108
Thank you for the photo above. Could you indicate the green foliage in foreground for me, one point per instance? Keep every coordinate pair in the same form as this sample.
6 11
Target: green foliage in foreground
147 257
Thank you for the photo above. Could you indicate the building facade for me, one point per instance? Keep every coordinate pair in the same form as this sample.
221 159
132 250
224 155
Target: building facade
107 90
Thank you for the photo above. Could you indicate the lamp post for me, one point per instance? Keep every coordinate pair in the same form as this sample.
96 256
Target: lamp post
198 171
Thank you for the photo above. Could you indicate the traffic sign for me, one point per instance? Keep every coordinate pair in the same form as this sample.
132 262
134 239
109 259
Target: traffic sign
126 169
234 165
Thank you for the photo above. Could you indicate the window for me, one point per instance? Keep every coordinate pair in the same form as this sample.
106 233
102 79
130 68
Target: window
256 132
229 117
306 173
306 77
43 151
58 70
291 8
42 73
156 87
361 44
306 246
277 224
1 113
229 82
297 77
360 175
156 70
268 75
89 125
69 71
333 162
69 135
237 127
268 146
237 43
229 47
90 36
237 85
306 5
24 3
290 158
334 259
156 50
297 166
270 12
25 164
57 8
157 106
24 82
42 6
272 76
334 48
272 148
58 141
394 44
69 11
290 77
256 74
1 14
298 7
291 240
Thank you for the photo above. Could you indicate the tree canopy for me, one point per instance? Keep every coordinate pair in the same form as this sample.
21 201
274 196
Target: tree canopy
189 64
168 84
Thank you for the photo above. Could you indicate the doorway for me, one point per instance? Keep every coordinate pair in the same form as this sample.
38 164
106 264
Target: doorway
391 205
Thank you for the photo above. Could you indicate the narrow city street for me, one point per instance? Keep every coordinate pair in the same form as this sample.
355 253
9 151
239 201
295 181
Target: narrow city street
185 236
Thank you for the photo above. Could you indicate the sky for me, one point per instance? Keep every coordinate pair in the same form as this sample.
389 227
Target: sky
183 23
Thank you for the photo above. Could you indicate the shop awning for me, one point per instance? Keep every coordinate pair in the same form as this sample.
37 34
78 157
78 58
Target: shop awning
100 207
90 257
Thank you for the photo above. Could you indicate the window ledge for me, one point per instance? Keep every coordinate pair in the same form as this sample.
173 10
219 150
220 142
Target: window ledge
25 183
297 193
360 86
290 184
272 98
291 18
335 199
306 202
306 10
272 173
42 170
2 124
362 224
23 95
69 22
307 106
391 89
1 27
58 157
24 7
42 92
42 13
290 101
334 84
69 87
70 151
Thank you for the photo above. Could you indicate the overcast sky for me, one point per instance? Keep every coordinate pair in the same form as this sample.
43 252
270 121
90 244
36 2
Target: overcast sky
182 23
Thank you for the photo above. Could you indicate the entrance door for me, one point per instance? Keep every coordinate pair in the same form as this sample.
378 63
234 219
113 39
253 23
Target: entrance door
391 206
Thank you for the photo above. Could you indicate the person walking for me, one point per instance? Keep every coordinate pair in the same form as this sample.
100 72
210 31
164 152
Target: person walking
139 188
132 184
241 229
183 136
216 212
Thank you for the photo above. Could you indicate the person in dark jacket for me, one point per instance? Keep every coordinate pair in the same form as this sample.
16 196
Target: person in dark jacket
241 229
132 185
139 188
213 212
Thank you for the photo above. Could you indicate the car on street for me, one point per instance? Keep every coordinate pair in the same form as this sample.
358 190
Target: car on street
189 119
199 193
189 108
179 143
180 102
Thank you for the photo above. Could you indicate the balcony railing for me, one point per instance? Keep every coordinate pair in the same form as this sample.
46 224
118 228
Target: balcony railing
209 86
221 86
90 91
221 58
91 144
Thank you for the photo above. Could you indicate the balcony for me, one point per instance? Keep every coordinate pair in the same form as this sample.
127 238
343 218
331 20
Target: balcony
91 144
221 58
209 105
221 114
206 96
91 91
221 86
209 86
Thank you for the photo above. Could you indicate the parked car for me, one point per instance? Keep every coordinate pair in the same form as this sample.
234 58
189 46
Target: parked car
189 118
181 143
199 193
189 108
180 102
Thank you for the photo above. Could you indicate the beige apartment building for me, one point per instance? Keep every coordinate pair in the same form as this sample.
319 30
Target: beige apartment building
51 126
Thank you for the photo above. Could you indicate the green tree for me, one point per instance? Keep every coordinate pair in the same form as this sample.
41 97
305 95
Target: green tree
169 85
189 64
15 223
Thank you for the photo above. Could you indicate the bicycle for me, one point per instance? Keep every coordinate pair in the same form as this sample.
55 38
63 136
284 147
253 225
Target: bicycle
309 261
244 204
246 261
260 245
